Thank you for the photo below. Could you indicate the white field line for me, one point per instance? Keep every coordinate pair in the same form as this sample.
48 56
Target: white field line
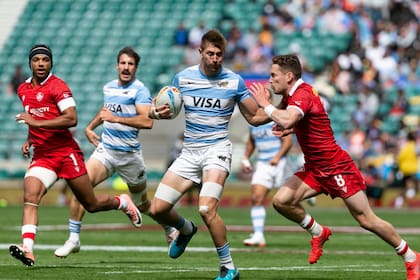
341 268
233 228
110 269
114 248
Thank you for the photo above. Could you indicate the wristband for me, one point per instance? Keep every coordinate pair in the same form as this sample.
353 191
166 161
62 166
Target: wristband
246 163
269 110
154 114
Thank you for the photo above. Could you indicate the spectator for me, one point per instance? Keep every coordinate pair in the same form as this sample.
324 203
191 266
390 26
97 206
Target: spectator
270 14
17 78
408 164
370 103
387 67
234 42
374 185
400 105
181 35
195 34
266 37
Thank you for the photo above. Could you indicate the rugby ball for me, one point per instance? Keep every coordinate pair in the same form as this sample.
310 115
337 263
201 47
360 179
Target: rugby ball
173 97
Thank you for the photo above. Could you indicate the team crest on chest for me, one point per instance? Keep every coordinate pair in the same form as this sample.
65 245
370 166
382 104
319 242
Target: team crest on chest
223 84
39 96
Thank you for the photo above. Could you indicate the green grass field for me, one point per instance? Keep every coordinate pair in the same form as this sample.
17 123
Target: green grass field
112 249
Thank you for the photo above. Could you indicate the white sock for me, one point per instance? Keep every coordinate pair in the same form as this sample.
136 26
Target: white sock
405 251
74 228
74 237
29 244
311 225
123 203
258 214
225 257
28 233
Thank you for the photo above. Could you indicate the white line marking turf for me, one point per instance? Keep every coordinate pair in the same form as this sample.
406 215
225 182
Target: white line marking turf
232 228
349 268
113 248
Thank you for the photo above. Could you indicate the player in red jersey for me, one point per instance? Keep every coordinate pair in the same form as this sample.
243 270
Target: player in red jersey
50 111
328 169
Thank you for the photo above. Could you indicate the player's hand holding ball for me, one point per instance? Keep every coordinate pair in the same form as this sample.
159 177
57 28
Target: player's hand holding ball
159 112
167 104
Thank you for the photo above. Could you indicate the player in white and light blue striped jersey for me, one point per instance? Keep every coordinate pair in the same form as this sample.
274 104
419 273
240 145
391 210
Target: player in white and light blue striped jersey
270 171
210 93
123 102
266 144
209 104
126 106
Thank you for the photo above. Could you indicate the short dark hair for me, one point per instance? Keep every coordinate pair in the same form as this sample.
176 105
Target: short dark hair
130 52
289 62
215 37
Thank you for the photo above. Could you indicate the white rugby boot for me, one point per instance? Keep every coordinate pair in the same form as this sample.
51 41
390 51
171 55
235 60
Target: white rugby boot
68 248
255 240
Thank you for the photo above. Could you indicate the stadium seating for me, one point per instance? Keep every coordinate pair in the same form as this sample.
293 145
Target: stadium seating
307 44
85 37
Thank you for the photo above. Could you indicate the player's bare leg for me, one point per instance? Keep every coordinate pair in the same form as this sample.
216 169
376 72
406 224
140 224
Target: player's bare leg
287 201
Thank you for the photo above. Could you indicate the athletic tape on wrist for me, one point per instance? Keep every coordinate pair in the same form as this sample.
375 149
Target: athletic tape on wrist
246 163
269 110
156 114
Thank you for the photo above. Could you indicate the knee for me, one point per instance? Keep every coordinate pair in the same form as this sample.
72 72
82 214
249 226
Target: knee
280 203
257 200
33 197
153 213
156 211
206 213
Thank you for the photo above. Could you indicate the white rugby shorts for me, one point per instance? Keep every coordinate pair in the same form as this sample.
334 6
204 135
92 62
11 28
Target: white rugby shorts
270 176
129 165
191 163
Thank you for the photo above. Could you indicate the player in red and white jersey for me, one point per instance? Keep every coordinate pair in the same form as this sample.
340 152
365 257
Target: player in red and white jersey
45 102
328 168
50 111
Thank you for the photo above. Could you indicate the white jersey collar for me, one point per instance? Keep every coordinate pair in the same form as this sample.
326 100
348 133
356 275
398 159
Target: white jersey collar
29 80
295 86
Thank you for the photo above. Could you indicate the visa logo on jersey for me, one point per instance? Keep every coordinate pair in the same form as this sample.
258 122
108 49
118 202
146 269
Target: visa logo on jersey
116 108
206 102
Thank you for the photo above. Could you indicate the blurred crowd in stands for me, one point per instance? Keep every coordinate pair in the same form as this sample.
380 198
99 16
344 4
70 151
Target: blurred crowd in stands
380 69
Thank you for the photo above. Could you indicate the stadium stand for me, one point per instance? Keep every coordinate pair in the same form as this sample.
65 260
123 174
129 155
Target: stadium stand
86 35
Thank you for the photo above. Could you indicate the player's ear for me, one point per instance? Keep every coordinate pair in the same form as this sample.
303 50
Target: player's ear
290 76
